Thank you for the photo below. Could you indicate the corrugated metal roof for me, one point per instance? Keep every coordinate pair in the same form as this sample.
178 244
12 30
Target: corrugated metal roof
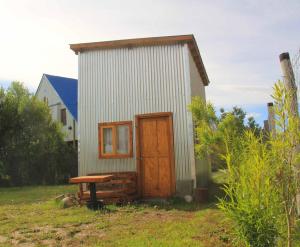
67 91
150 41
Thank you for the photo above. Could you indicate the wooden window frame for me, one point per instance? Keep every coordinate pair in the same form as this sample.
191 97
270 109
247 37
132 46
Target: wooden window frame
113 126
63 120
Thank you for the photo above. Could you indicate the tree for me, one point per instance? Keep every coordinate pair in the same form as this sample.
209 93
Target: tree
32 149
205 121
252 125
210 130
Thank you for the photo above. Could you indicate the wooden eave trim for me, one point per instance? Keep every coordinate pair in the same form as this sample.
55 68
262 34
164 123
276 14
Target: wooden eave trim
115 123
193 47
132 43
152 41
154 114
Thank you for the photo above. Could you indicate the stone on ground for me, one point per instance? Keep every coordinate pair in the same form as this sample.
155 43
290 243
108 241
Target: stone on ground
188 198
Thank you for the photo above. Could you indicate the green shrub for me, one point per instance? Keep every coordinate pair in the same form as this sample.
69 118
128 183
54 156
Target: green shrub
251 201
263 178
284 147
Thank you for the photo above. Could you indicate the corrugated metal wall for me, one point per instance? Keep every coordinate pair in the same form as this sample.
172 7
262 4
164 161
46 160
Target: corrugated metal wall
117 84
202 165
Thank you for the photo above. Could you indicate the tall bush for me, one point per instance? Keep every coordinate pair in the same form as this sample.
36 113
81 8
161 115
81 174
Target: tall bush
32 149
263 172
251 200
285 149
263 179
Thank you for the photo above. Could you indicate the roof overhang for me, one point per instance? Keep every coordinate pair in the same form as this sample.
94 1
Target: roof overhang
152 41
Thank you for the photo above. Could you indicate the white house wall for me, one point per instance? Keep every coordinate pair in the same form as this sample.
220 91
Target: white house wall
117 84
55 104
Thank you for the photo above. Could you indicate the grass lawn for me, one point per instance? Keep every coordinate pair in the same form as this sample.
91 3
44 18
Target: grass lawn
29 216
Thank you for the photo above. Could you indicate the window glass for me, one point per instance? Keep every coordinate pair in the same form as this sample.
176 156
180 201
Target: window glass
63 116
107 140
123 139
46 100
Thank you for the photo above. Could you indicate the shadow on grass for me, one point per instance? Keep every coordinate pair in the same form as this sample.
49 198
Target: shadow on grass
174 203
178 203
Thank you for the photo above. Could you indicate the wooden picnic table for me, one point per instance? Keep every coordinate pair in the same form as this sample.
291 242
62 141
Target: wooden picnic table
92 180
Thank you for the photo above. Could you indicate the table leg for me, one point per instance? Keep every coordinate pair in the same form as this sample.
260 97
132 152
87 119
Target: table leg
93 195
94 203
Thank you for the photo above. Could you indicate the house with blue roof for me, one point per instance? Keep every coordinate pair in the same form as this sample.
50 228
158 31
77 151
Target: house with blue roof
60 94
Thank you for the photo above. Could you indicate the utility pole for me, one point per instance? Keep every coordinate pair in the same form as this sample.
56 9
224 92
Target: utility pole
290 85
271 118
289 80
266 126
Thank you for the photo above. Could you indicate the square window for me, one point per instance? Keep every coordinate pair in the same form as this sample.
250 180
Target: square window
115 139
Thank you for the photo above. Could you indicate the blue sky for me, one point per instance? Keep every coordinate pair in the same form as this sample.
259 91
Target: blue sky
239 41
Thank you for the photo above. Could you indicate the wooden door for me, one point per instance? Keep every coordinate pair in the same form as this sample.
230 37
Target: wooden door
156 163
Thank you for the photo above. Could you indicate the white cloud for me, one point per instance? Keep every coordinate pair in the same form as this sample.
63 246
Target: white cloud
253 114
231 94
239 40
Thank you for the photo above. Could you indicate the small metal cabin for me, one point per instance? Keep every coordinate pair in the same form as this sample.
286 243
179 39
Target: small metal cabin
60 94
133 113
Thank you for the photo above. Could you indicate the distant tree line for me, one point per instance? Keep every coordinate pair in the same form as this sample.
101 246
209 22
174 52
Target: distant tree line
32 147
